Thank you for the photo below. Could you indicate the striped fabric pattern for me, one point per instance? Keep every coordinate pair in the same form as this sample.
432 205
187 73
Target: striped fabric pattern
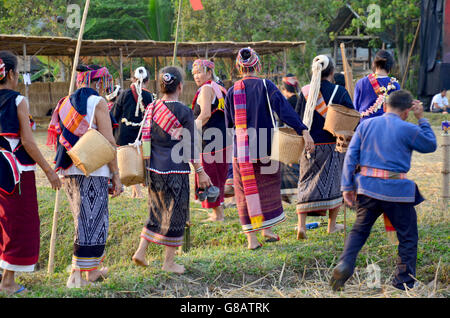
161 239
374 82
243 156
86 264
319 205
164 118
381 173
321 106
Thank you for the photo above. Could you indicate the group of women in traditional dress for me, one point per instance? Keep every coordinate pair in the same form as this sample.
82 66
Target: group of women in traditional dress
166 123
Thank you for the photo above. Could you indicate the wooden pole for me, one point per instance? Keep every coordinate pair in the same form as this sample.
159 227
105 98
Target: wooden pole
121 67
285 62
410 53
347 71
345 223
51 258
446 171
24 67
176 34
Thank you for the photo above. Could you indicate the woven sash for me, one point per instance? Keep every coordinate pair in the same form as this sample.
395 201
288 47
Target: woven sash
380 173
321 106
243 156
374 82
165 119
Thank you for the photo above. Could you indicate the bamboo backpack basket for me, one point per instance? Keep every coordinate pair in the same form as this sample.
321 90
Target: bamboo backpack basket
131 161
287 145
92 150
341 121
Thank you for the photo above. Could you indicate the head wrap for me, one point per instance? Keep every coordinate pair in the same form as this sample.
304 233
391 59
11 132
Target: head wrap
291 81
203 63
250 64
106 80
2 70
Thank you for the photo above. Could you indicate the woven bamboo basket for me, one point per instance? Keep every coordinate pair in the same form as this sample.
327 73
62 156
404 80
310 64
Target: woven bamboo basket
91 152
131 165
287 146
341 118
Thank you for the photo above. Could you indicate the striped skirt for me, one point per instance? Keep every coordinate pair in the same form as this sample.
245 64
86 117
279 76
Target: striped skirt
269 194
319 187
168 202
88 199
19 226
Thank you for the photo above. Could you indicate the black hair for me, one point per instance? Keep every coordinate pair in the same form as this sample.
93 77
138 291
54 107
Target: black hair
10 61
401 99
169 79
329 70
290 88
383 60
339 79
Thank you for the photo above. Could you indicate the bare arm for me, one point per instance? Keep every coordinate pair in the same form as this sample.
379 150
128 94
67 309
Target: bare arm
205 100
103 122
31 147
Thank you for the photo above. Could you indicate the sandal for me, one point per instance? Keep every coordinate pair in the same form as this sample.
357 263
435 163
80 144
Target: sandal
273 239
255 248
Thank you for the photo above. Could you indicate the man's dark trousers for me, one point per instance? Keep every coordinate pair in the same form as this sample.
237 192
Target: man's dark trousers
403 218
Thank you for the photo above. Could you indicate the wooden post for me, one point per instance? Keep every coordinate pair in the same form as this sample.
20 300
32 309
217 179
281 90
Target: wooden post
410 53
24 67
347 71
284 62
176 34
445 171
51 258
121 67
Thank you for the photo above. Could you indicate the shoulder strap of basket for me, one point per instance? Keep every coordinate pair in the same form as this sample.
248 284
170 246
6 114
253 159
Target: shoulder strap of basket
270 106
321 106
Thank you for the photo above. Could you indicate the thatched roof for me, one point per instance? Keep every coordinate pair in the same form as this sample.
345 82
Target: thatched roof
64 46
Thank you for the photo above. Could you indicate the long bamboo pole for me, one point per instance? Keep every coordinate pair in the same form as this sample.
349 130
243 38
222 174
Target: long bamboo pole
347 72
51 258
410 53
175 48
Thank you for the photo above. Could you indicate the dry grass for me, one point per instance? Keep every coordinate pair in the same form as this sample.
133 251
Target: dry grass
219 265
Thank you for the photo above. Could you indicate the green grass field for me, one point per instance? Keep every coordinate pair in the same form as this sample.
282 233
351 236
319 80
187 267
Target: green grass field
219 265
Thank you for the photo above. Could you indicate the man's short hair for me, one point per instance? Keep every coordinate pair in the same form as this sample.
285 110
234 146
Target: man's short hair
401 99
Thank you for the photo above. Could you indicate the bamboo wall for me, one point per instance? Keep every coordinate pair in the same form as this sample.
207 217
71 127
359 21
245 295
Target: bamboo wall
45 96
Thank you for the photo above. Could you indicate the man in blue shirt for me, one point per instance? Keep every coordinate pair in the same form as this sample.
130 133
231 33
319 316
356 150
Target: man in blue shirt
374 180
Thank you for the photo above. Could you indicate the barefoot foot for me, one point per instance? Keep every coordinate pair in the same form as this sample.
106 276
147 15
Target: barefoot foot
173 268
140 261
301 234
97 275
337 228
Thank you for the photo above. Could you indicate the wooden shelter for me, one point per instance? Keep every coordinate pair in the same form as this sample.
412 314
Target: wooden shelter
43 96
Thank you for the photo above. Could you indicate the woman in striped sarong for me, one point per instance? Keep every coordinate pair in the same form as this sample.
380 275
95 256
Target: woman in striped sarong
257 180
320 173
168 124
